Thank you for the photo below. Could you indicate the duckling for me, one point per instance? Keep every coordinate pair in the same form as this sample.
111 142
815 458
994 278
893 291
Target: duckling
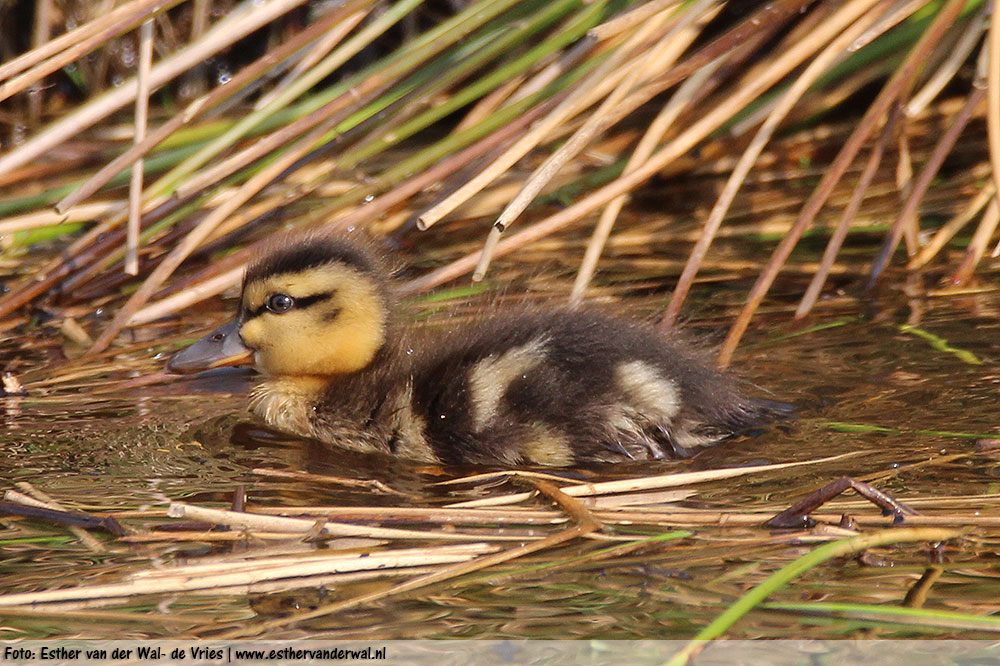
319 320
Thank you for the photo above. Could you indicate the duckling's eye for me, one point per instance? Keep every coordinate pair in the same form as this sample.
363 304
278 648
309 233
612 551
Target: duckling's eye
279 303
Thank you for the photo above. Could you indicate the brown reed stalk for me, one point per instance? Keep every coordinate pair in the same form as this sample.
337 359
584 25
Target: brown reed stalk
908 215
899 82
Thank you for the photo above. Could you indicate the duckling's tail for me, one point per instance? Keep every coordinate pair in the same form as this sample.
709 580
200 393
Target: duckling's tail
772 410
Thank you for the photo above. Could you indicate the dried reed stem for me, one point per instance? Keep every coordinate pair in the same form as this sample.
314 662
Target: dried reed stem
952 227
979 243
645 483
844 224
141 113
647 144
908 215
48 218
249 521
946 72
596 123
993 99
225 32
833 52
900 81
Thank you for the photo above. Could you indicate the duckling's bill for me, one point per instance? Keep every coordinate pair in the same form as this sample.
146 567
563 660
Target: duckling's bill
222 347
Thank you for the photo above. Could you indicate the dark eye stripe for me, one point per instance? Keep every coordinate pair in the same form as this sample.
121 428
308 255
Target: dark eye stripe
306 301
300 303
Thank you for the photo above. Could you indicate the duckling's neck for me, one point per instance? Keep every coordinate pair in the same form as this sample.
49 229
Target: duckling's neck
358 410
288 402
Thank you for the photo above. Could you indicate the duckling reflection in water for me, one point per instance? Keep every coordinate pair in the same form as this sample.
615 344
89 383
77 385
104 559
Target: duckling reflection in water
318 318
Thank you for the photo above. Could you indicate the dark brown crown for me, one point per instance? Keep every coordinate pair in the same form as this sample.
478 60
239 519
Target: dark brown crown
299 252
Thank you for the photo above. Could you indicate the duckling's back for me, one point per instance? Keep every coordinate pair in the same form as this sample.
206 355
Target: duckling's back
563 387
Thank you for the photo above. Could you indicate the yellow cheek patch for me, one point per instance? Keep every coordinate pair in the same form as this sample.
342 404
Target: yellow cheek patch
335 335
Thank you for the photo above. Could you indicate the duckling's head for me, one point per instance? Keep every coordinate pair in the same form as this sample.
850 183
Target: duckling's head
314 305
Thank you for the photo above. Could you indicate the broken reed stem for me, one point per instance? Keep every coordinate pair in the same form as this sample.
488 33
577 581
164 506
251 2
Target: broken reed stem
596 123
224 33
833 52
908 215
688 90
195 109
979 244
844 224
141 112
67 48
679 146
952 227
899 82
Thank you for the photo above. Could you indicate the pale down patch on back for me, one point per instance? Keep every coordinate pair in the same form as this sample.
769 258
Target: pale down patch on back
491 377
